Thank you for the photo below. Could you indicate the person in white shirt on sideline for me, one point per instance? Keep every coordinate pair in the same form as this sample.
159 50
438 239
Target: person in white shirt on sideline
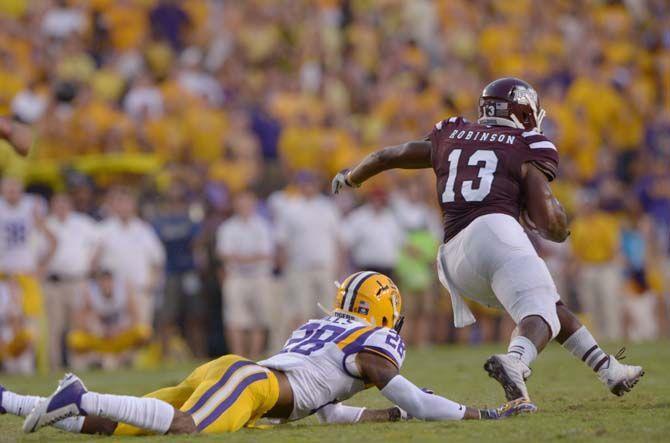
131 250
21 222
308 236
67 270
245 247
374 235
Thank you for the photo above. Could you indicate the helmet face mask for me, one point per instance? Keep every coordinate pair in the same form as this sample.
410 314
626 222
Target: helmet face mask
370 297
511 102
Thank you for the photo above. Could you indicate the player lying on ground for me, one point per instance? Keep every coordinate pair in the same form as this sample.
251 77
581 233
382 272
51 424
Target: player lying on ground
324 362
19 136
490 174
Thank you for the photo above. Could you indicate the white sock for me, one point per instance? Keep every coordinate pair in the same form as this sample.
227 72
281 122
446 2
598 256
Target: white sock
150 414
582 345
523 349
17 404
21 405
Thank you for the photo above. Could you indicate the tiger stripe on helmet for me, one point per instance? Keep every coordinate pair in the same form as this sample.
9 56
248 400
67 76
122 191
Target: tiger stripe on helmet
352 288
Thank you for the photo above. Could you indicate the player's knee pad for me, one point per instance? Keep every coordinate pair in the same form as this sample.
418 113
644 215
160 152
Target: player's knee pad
538 302
525 288
551 317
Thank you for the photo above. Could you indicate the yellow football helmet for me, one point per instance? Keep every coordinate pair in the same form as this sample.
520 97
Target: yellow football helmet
371 296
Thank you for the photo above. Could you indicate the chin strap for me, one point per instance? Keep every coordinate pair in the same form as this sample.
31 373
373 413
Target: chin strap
398 325
539 115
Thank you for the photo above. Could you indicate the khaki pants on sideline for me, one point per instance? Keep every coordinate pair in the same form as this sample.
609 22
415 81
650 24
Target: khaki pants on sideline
245 301
60 299
304 289
600 293
145 303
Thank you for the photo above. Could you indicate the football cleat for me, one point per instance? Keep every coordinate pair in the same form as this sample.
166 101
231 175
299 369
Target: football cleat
511 373
2 410
618 377
509 409
63 403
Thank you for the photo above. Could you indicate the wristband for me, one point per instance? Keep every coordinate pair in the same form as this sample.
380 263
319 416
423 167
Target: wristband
348 181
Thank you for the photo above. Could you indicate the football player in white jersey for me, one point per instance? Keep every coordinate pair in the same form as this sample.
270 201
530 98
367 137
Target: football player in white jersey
21 220
323 363
20 137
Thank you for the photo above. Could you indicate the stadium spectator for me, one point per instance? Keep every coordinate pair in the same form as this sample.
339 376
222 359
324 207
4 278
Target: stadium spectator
595 241
17 340
144 101
63 20
106 324
67 270
181 306
414 268
131 250
21 222
373 235
217 209
309 237
30 104
642 313
169 21
245 247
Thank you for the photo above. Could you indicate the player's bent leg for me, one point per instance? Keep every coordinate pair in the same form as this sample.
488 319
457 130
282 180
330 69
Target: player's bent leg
575 338
173 395
512 370
22 405
72 399
524 287
235 393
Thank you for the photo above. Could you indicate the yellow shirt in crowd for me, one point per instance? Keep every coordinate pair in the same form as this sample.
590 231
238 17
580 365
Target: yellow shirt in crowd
595 237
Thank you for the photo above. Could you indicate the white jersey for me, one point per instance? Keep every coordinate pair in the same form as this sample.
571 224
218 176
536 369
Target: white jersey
18 247
319 360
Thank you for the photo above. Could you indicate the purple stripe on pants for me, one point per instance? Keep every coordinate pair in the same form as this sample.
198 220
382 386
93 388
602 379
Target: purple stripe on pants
232 398
226 376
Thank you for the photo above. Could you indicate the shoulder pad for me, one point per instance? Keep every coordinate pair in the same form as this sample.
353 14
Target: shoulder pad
384 342
450 121
535 140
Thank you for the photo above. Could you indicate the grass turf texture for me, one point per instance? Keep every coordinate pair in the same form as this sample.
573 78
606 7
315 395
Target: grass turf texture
574 405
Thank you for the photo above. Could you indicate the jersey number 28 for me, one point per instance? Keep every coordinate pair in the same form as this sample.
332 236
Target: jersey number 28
485 175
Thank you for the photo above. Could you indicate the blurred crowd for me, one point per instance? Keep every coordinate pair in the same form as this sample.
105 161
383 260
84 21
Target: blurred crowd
177 198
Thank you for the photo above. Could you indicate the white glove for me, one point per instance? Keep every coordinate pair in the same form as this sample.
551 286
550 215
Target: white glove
341 180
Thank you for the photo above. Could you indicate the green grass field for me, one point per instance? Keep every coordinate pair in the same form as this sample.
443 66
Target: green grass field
574 406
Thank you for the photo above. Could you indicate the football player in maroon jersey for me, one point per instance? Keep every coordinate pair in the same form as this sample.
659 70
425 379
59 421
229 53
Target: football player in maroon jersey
492 177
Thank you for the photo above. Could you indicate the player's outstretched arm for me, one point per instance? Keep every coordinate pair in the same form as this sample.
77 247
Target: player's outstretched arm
410 155
19 136
337 413
418 403
545 212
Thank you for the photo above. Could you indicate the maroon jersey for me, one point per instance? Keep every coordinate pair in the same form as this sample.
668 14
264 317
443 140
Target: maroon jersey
478 169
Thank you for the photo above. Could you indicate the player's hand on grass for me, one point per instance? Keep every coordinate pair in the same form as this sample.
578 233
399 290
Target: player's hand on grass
397 413
509 409
341 180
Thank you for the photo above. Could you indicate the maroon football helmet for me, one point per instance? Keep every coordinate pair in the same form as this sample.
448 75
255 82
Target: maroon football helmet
510 101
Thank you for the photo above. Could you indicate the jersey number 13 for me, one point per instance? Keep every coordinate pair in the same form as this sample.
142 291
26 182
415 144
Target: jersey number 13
469 193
